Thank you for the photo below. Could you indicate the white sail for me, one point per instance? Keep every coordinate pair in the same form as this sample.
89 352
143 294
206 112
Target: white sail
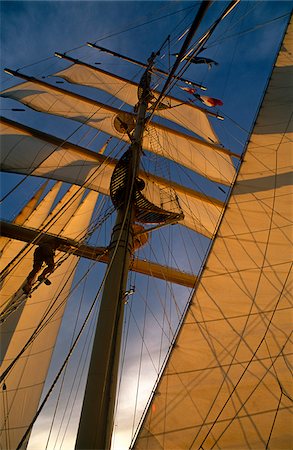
29 209
24 213
19 259
185 114
85 168
11 292
18 274
226 383
208 159
230 367
24 383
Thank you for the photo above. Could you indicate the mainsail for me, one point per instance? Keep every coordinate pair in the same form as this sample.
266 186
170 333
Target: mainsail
230 364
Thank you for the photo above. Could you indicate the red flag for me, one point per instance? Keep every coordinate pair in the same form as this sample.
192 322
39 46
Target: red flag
210 101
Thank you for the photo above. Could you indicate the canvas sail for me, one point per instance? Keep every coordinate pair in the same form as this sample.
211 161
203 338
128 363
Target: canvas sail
24 213
227 333
74 164
185 114
230 366
11 292
24 383
13 247
209 160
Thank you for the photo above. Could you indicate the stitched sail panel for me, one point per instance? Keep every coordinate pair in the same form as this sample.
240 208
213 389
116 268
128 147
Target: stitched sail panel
71 164
25 382
182 113
230 367
207 159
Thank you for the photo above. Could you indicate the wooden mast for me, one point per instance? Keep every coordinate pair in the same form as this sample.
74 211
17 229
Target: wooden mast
96 423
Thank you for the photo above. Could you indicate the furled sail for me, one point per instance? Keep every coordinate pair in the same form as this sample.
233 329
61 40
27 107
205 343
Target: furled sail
24 383
49 157
191 117
209 160
230 366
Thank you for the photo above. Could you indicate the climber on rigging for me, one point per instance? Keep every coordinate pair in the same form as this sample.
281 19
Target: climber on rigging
45 252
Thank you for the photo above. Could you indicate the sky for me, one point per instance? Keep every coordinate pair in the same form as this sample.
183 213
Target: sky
31 31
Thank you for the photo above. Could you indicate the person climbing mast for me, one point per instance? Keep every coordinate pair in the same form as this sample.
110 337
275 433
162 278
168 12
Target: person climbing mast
45 252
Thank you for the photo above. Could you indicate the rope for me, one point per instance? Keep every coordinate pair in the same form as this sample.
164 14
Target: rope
142 24
64 374
274 421
6 415
12 308
26 434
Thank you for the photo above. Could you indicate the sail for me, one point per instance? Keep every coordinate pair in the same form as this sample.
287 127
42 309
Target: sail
17 259
86 168
25 213
193 118
209 160
230 367
30 207
11 292
35 220
24 383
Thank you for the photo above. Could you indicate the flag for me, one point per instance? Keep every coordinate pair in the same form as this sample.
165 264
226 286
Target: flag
202 60
210 101
199 60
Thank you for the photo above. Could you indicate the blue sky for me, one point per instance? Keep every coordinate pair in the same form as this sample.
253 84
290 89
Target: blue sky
32 31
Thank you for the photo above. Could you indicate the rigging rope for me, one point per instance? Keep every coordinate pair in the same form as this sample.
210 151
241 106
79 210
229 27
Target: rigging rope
64 374
26 434
241 33
90 230
253 302
6 415
143 24
45 227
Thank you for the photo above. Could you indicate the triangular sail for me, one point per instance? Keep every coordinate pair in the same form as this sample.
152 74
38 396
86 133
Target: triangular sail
230 367
17 275
24 383
24 213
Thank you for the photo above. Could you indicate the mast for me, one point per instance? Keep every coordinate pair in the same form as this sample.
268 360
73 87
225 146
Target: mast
97 416
96 423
